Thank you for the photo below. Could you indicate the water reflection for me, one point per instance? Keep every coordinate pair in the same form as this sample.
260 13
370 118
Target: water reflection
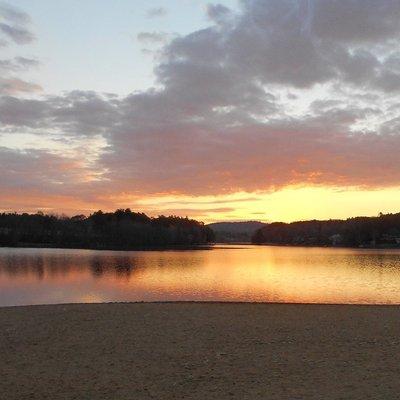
280 274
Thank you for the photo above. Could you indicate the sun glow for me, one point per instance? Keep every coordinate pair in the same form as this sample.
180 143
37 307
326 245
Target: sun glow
289 204
286 205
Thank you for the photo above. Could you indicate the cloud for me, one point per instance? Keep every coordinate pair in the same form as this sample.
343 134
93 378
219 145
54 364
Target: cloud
15 24
13 86
156 12
218 13
41 179
152 37
11 13
266 97
17 64
76 113
18 35
35 169
355 21
26 63
15 112
253 158
10 84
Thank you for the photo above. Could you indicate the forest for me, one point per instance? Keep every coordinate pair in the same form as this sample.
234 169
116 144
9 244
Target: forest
122 229
380 231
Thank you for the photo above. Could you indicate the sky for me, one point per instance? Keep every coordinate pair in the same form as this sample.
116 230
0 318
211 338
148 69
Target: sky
234 110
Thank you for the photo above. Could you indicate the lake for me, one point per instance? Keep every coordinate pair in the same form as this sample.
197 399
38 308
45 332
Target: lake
224 273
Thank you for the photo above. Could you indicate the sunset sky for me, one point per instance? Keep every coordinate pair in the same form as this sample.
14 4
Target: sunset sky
236 110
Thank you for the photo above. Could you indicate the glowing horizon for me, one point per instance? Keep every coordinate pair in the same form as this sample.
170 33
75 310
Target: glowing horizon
250 110
286 205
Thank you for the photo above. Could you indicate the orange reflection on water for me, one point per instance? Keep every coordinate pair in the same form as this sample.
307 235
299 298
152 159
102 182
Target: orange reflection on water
228 273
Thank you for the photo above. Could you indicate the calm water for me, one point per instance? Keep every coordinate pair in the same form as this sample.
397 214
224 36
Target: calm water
228 273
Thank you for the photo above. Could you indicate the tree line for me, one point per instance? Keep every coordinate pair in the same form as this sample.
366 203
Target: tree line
381 231
122 229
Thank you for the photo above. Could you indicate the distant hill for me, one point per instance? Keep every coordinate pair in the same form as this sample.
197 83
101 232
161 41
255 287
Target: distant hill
228 232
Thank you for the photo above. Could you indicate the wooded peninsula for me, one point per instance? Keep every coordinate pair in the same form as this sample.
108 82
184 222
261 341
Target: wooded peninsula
122 229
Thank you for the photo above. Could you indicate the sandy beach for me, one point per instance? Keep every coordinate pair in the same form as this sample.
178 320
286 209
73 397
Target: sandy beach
199 351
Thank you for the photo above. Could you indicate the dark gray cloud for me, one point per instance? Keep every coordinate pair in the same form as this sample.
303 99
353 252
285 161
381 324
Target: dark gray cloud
354 21
15 112
219 13
76 113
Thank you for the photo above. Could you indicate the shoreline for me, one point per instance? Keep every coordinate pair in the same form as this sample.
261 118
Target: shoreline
322 246
106 248
191 350
204 302
209 246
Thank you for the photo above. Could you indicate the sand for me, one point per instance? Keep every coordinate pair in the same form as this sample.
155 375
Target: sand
199 351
